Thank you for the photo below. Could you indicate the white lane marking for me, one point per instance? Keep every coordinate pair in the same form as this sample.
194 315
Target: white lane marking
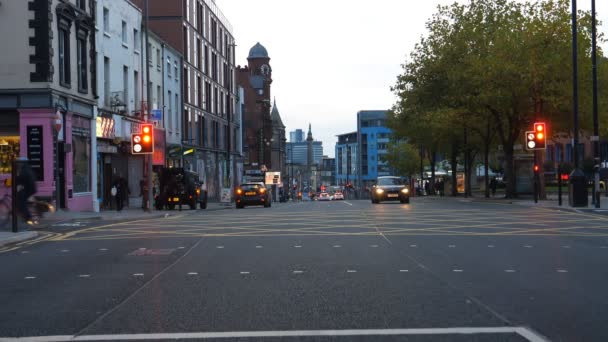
603 247
490 246
138 274
413 246
337 246
220 247
348 203
192 273
142 248
351 271
103 249
65 250
457 270
244 272
181 247
29 277
510 271
452 246
259 246
84 276
298 272
403 271
524 332
562 271
297 246
565 246
374 246
528 246
24 252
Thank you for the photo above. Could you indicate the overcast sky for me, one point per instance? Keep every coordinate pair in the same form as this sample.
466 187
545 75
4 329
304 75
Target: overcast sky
332 58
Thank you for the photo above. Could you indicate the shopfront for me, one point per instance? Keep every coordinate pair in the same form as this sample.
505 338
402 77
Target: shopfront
9 145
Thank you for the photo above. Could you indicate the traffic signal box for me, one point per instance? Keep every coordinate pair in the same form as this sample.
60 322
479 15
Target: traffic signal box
143 142
537 139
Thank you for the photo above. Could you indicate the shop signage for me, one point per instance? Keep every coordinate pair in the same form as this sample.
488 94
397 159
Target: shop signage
273 178
35 151
105 128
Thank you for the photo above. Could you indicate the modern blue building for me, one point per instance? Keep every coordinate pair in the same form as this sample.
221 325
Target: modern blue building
346 159
373 136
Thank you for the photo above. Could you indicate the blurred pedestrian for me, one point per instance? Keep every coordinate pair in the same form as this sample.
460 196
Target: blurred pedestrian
493 184
118 192
26 187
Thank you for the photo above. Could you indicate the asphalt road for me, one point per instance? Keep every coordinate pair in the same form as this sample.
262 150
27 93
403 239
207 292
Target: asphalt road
434 270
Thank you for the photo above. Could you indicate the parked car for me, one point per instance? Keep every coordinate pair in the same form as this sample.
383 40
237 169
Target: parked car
180 187
252 194
390 188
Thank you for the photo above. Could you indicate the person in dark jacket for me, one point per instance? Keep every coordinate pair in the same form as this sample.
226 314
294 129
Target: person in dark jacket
26 187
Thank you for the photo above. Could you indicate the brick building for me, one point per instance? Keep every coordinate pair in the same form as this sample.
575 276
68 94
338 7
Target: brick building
264 132
199 31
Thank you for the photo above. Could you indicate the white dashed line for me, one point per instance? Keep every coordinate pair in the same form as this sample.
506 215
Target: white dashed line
374 246
413 246
259 247
181 247
351 271
458 271
603 247
490 246
192 273
220 247
562 271
452 246
298 246
65 250
24 252
565 246
138 274
103 249
298 272
84 276
337 246
29 277
244 272
510 271
403 271
528 246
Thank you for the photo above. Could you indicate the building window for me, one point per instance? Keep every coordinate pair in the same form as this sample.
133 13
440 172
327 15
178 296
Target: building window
106 20
106 80
158 59
169 115
82 4
199 94
124 32
64 57
81 46
125 85
168 67
136 40
136 96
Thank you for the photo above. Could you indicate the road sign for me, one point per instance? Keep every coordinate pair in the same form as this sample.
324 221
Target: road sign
157 115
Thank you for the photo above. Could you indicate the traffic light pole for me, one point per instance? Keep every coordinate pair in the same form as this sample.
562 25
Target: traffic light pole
536 178
149 159
596 142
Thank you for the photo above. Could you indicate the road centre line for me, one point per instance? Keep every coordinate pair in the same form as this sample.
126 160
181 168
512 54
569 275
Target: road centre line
524 332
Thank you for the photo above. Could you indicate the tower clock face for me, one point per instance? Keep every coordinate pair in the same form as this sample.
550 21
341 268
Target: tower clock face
265 69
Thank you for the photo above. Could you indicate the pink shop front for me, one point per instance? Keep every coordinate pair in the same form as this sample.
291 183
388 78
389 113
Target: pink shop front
31 133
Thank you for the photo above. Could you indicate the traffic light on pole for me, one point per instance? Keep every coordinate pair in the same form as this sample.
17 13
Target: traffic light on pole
536 168
540 135
143 142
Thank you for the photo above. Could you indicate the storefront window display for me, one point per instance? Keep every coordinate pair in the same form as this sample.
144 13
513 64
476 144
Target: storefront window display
9 151
81 154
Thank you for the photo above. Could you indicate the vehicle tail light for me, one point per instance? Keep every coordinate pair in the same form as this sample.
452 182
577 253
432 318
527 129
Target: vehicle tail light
198 191
262 190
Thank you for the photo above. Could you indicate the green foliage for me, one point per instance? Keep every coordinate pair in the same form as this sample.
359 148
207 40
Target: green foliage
494 67
403 157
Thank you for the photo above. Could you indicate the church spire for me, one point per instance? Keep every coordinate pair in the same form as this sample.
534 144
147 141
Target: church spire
309 137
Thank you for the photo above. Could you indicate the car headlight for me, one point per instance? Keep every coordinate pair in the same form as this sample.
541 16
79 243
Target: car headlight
379 191
405 190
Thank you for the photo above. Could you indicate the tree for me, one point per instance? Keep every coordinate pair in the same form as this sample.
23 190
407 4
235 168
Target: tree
403 157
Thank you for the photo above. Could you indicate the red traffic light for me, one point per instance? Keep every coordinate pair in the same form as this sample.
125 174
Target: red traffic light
536 168
565 177
540 127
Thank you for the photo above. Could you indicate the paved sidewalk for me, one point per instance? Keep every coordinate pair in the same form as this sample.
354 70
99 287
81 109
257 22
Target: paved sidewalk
7 238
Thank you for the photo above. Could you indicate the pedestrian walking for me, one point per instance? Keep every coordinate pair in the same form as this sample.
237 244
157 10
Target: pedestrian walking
493 184
26 187
118 193
427 187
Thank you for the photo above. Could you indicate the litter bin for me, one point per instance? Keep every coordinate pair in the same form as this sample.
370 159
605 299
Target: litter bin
577 189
